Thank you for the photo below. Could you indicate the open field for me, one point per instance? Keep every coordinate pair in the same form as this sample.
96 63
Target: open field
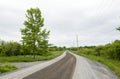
29 58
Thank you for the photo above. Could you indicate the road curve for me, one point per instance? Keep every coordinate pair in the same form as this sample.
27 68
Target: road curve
62 69
66 66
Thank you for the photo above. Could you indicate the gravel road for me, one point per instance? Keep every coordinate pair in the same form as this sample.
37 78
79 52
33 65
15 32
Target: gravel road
22 65
62 69
88 69
66 66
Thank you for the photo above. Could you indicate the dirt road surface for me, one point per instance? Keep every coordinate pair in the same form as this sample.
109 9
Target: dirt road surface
62 69
88 69
66 66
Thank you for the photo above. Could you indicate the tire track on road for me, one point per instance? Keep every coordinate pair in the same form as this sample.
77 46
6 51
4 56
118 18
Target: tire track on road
62 69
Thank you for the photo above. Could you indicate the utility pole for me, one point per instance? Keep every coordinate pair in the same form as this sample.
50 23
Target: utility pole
77 42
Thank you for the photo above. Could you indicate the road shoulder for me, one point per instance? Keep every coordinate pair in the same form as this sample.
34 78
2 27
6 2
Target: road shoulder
27 71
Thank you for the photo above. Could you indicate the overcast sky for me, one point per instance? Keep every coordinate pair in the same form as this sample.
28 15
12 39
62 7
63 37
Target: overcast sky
94 21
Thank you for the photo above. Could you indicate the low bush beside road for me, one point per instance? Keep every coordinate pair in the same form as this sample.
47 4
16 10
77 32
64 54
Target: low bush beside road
29 58
6 67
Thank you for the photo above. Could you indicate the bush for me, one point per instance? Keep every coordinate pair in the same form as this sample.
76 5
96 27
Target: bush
6 68
109 50
10 49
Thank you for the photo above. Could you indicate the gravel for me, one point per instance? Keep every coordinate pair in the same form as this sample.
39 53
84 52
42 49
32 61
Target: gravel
87 69
62 69
20 74
21 65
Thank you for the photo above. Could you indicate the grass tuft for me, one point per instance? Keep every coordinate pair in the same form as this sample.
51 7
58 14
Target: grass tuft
6 68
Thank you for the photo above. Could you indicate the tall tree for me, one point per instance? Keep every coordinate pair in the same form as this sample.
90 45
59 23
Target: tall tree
33 33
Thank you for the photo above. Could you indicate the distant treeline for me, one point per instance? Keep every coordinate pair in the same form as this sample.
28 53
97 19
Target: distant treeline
111 50
12 48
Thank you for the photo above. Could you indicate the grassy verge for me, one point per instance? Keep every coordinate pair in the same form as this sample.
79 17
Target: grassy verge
114 65
6 68
29 58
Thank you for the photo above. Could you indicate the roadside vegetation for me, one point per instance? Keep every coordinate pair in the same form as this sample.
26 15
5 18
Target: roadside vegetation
29 58
34 45
5 61
108 54
34 37
6 68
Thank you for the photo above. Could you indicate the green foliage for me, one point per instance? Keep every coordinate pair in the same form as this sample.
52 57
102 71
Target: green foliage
6 68
55 48
118 28
25 50
86 51
108 54
33 35
29 58
10 49
111 50
114 50
98 50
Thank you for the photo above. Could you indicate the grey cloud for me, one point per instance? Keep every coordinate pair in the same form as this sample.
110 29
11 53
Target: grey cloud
93 21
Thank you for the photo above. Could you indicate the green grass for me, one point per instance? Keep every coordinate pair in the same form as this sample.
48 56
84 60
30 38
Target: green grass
113 64
6 68
29 58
